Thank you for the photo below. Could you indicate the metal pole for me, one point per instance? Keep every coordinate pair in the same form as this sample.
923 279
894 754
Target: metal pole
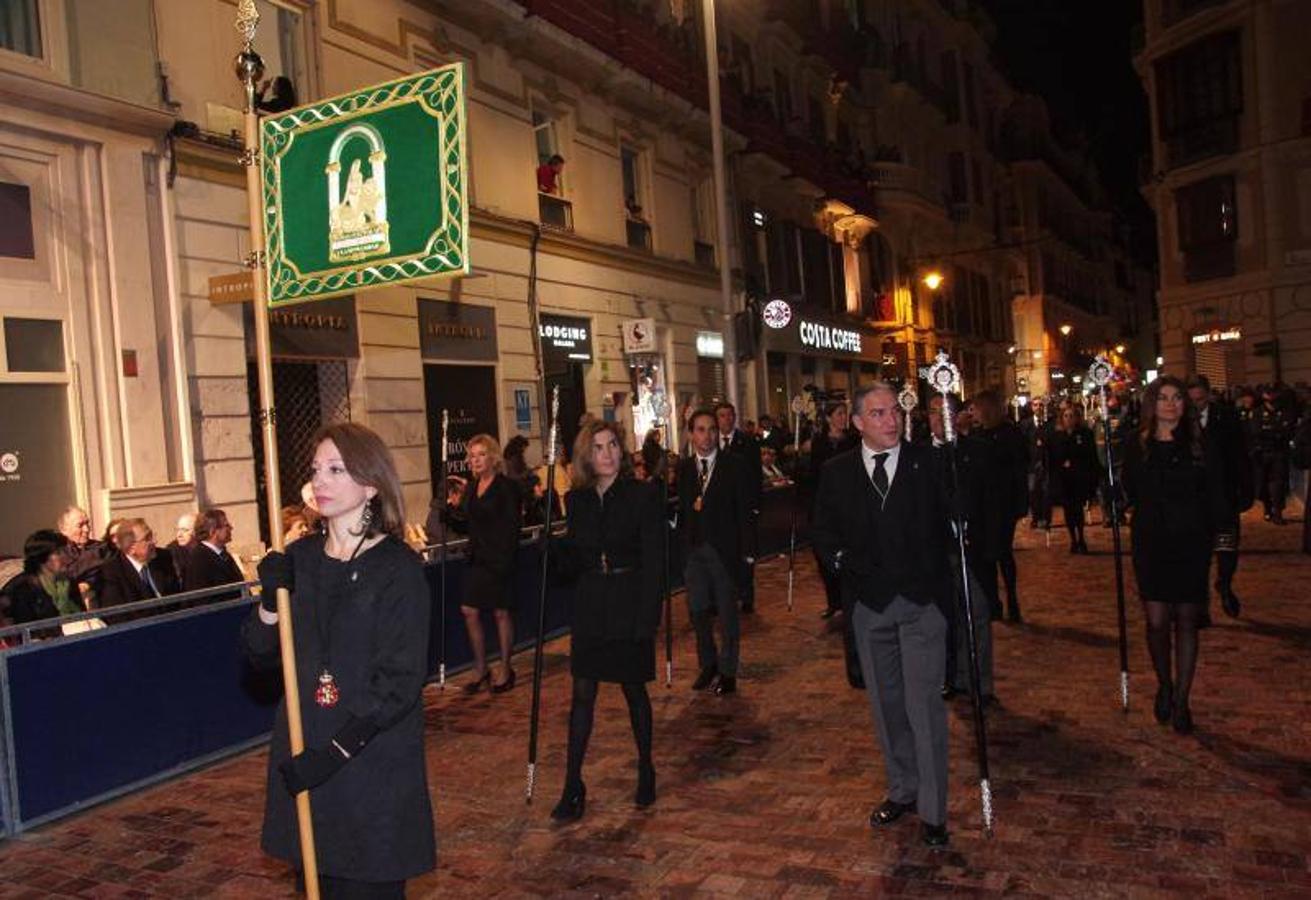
250 68
721 202
1099 373
944 376
796 496
441 654
664 409
535 716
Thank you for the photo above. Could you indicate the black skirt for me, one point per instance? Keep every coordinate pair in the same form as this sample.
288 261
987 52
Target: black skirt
487 588
613 659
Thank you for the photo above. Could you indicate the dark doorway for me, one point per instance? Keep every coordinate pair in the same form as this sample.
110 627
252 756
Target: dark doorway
468 393
306 395
573 402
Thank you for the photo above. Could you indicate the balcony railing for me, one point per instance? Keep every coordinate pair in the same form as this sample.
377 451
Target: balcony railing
555 212
638 233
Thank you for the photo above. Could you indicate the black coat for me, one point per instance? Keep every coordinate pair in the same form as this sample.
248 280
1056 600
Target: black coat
492 523
29 602
909 555
373 818
1072 464
207 569
120 583
1225 433
726 511
747 449
979 493
1008 465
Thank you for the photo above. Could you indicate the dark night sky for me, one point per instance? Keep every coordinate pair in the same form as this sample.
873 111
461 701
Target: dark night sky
1076 55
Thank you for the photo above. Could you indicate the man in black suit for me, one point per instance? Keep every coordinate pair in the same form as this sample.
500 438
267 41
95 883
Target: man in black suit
209 563
180 547
881 523
714 521
1222 429
738 443
138 571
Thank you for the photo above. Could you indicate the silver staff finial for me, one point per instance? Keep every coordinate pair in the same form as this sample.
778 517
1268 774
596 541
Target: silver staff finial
943 376
555 424
247 20
907 400
1100 372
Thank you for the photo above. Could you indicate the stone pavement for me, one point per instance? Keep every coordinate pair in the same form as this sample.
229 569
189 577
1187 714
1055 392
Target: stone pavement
766 794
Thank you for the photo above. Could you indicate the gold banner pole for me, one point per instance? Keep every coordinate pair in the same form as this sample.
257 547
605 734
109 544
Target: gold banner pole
250 68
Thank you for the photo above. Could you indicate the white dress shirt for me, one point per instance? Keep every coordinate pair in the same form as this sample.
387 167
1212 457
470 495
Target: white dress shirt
889 464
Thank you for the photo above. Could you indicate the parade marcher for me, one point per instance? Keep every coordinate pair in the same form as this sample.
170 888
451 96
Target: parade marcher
1301 458
361 612
881 523
1072 466
1273 426
616 547
1174 484
1008 474
736 442
1221 428
487 508
715 521
834 440
1037 429
981 503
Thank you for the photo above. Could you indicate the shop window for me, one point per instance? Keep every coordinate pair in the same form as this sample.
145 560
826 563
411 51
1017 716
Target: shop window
17 240
34 345
20 27
637 228
1208 228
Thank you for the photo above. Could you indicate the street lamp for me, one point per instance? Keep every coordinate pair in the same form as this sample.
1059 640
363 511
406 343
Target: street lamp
1066 329
1119 348
933 280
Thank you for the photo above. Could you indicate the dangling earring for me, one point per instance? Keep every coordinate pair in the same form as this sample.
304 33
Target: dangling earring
366 518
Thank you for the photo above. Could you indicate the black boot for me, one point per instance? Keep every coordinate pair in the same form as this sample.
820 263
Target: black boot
646 790
572 803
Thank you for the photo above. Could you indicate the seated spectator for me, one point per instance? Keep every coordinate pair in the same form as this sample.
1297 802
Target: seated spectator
548 175
209 563
82 556
295 524
180 547
769 470
138 571
44 590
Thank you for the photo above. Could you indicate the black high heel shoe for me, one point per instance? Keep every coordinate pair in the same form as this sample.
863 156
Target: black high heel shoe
505 685
573 802
1164 703
474 687
1182 719
646 792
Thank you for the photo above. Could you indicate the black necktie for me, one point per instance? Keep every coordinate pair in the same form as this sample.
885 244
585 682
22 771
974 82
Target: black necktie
880 475
148 583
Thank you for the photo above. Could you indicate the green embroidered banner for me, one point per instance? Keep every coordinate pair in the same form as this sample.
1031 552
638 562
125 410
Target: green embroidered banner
366 189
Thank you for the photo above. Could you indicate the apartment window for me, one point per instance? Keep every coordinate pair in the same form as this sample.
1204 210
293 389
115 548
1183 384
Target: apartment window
950 87
637 228
784 265
17 240
1199 99
976 179
703 223
971 101
825 284
20 27
783 98
1208 228
958 189
280 42
34 345
742 64
818 127
553 210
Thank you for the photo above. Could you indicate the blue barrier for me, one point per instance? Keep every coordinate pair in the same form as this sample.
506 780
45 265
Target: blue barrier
89 717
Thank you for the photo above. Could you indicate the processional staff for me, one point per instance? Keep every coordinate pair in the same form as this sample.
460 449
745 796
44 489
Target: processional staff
250 69
801 403
660 409
1099 375
943 376
907 400
541 605
441 658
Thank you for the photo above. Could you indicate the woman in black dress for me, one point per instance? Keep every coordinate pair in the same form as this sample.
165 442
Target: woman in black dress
362 611
1175 489
616 546
487 508
1072 462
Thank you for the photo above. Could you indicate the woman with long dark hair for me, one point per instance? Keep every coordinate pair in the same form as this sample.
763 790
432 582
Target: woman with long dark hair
1175 490
615 546
1072 462
361 608
488 508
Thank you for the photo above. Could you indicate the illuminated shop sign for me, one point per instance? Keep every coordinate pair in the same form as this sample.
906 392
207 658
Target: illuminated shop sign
829 337
710 344
789 329
566 337
1218 335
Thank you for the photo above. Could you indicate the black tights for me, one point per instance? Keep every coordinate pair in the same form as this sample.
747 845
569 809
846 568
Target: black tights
1074 521
581 712
1185 617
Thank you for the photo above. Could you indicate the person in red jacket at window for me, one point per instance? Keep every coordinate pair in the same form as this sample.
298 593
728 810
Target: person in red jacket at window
548 174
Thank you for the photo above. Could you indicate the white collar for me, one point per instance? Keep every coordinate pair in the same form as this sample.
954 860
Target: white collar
218 551
136 565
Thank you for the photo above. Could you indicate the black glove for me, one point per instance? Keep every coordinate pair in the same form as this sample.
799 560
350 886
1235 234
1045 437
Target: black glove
275 571
313 767
310 769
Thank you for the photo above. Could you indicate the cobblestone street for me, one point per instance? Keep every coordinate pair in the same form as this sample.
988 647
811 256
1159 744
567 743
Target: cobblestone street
766 794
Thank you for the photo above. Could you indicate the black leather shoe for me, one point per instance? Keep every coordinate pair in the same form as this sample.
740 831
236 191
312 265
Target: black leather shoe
856 679
474 687
1182 719
506 685
828 613
646 792
727 684
1164 703
888 812
934 836
705 678
1229 603
572 804
748 608
1013 616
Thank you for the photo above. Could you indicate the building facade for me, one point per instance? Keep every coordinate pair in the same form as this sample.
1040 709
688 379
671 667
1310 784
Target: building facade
866 148
1230 179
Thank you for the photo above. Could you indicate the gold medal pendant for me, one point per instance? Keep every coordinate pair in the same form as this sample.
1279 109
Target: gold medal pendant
696 505
327 694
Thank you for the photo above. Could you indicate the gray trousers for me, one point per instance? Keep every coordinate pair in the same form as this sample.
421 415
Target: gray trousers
710 590
902 655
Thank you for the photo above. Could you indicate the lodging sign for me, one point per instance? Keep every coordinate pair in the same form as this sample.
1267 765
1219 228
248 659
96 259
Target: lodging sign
367 189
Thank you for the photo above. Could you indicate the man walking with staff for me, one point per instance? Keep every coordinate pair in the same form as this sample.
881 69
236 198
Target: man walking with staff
881 524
